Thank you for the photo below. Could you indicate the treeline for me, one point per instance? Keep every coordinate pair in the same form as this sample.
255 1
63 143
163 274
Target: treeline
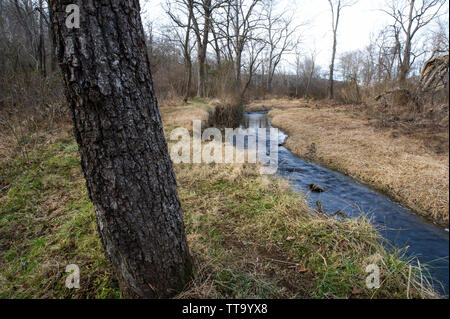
250 48
235 50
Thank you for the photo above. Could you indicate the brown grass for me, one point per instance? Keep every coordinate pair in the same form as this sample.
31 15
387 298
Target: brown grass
400 165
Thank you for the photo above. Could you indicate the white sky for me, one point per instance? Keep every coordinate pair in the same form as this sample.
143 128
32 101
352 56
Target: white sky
355 28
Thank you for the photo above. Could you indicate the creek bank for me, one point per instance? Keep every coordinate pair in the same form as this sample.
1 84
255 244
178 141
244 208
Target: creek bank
399 167
346 197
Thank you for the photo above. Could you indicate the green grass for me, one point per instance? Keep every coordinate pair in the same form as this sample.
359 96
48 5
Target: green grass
46 223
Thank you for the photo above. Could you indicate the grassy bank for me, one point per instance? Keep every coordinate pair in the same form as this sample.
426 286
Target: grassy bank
250 235
403 165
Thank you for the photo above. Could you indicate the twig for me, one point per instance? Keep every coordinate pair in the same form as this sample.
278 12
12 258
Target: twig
283 262
409 282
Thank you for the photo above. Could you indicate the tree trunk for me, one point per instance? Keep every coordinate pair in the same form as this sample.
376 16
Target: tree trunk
331 79
202 44
53 62
187 56
238 69
216 47
124 156
2 63
406 62
201 91
42 57
188 83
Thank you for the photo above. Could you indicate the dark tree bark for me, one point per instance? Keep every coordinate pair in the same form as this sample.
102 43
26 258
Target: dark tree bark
124 156
2 63
42 57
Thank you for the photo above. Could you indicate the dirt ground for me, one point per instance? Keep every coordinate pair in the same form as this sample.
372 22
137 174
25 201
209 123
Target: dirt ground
404 159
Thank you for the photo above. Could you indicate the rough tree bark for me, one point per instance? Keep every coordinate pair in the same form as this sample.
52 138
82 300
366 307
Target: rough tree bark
124 156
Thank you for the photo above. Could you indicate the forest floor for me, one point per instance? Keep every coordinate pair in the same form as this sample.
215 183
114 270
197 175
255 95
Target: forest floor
249 234
405 160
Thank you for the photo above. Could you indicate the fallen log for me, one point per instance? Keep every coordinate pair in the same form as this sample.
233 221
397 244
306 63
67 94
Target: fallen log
434 75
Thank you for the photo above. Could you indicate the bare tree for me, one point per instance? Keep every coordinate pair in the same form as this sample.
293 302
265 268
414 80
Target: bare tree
254 49
237 23
186 7
202 12
2 62
368 64
279 36
440 45
336 7
309 70
41 46
124 156
411 16
298 67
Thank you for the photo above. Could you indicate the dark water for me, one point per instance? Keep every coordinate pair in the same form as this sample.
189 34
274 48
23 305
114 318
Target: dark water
397 224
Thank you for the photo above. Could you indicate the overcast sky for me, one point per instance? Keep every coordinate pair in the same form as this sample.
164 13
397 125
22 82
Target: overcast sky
355 28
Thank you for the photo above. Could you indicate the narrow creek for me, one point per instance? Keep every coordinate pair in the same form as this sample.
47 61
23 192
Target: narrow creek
396 223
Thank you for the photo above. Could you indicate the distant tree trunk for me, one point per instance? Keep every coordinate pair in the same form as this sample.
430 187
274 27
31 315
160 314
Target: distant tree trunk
331 79
336 8
201 91
187 55
124 156
216 47
335 15
53 62
2 63
188 83
202 43
42 57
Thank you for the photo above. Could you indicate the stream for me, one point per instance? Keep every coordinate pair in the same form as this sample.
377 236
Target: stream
397 224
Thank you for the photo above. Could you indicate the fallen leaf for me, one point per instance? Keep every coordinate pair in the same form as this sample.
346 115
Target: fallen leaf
290 238
357 291
302 270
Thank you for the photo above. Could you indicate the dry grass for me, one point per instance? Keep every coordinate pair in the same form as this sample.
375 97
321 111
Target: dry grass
270 103
183 115
402 166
